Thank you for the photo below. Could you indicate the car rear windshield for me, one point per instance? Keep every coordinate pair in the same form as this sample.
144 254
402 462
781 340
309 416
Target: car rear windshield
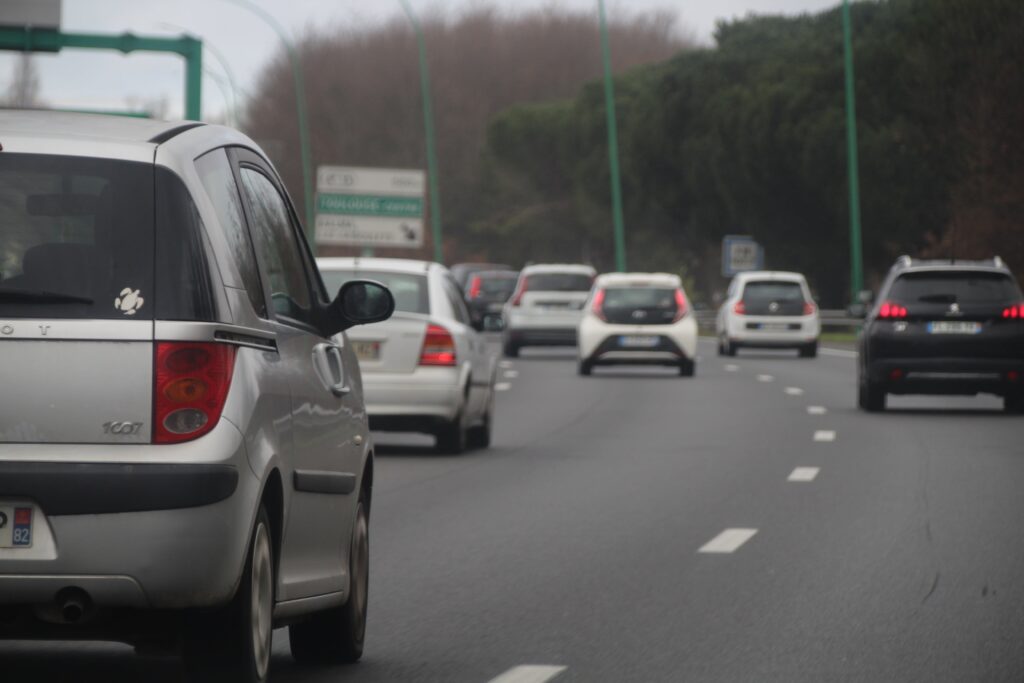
409 289
79 235
640 297
955 287
772 290
496 285
559 282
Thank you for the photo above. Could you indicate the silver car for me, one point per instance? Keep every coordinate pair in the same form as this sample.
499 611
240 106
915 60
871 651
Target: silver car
426 369
182 426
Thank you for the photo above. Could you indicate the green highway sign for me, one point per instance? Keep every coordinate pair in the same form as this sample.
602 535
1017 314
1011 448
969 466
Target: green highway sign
369 205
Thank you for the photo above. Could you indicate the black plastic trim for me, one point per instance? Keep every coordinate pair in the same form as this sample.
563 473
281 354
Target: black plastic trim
316 481
166 135
105 488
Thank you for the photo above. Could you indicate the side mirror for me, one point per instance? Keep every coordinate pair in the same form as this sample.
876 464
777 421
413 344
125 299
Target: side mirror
857 310
359 302
866 297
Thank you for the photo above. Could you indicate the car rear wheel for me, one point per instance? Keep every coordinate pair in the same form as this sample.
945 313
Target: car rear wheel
809 350
687 368
728 348
336 636
1014 404
871 396
480 435
584 368
451 437
233 644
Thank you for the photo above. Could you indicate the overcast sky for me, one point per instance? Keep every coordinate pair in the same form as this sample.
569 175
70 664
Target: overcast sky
109 80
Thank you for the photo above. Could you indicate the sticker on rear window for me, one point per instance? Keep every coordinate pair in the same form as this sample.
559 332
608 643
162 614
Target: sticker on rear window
129 301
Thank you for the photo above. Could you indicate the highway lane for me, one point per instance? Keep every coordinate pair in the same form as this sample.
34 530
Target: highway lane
575 541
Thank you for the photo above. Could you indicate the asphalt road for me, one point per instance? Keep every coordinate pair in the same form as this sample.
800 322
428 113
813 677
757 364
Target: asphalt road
581 539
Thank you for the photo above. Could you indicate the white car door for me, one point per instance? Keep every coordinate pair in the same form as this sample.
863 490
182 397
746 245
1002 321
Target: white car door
482 361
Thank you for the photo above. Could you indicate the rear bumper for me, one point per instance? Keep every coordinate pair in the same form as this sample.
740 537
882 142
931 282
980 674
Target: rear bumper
953 376
542 336
748 331
431 393
601 342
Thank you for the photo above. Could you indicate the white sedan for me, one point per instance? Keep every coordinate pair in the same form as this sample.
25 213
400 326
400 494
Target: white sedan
426 369
638 318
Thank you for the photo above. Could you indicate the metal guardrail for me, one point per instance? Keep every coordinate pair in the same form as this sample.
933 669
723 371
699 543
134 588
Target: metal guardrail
835 318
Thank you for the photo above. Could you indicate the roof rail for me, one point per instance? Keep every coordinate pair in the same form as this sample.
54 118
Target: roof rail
998 262
904 261
166 135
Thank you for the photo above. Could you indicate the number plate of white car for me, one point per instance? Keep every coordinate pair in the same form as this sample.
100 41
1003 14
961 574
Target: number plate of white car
366 350
642 342
15 526
953 327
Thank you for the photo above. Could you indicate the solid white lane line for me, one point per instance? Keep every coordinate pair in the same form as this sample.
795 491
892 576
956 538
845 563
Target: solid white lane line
728 541
504 363
765 378
511 374
529 673
816 410
731 368
838 353
794 391
803 474
502 386
824 435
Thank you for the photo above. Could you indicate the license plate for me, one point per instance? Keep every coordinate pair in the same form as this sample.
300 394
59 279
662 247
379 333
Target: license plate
494 308
554 305
640 342
953 327
774 327
366 350
15 526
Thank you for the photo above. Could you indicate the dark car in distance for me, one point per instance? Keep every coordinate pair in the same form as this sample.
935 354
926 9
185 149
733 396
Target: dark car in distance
486 293
462 271
944 327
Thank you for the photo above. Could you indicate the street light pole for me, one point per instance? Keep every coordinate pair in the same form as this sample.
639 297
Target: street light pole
856 257
300 107
613 145
428 126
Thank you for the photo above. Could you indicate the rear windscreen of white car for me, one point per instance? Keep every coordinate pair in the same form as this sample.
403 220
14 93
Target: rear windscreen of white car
559 282
773 297
639 305
98 239
965 287
409 289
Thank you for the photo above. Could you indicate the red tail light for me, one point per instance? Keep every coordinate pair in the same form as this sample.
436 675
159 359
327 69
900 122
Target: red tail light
190 384
598 306
681 306
809 308
740 308
1014 312
890 310
474 287
517 298
438 347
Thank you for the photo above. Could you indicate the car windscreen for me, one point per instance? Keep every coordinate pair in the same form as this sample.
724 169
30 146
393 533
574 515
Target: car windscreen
640 297
409 289
960 287
759 291
497 286
559 282
76 237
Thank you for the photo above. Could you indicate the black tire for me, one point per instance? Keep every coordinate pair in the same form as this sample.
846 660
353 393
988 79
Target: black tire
687 368
480 435
584 368
337 635
233 644
1013 405
511 349
451 437
730 348
871 396
809 350
721 347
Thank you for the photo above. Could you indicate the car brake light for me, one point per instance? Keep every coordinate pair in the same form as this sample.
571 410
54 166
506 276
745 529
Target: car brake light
438 347
681 306
1014 312
190 385
739 308
517 298
889 309
598 306
474 287
809 308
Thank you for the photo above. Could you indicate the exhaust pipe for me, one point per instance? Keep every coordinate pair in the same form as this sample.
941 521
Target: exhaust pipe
73 604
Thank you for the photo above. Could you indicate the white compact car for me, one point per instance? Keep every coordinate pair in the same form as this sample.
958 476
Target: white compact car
546 307
426 369
638 318
768 309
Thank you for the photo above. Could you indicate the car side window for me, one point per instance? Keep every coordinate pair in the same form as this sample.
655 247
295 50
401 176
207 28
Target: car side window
277 246
214 170
456 301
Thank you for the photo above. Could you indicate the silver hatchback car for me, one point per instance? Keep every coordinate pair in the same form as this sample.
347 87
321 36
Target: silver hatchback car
184 446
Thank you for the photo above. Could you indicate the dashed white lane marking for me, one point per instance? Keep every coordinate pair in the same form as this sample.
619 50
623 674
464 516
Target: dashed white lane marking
816 410
728 541
794 391
803 474
838 353
824 435
504 363
511 374
529 673
765 378
502 386
731 368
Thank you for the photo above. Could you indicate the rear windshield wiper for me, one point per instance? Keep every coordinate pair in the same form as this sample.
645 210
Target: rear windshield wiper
938 298
40 297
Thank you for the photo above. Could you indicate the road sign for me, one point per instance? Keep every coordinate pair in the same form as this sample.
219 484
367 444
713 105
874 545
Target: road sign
369 207
740 253
37 14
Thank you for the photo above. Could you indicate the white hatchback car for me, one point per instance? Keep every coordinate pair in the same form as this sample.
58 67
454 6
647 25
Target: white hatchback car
638 318
768 309
546 307
426 369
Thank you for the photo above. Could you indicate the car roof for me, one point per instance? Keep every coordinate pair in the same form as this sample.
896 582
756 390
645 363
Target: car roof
558 268
782 275
650 279
396 265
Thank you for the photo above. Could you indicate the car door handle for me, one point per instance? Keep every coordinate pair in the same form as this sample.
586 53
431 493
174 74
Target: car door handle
328 363
340 388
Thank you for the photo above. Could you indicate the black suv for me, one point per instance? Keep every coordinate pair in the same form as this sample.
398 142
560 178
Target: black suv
944 327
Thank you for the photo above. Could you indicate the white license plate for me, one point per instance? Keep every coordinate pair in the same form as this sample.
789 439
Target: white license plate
15 526
367 350
774 327
638 342
953 327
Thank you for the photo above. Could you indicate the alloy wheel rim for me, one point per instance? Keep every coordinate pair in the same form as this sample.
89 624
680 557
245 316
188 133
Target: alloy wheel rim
262 599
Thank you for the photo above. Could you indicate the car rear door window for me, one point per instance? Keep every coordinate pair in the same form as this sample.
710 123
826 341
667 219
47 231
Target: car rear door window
559 282
409 289
964 287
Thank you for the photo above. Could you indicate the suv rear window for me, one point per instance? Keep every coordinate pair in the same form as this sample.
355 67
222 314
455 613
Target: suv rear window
766 291
947 287
409 289
559 282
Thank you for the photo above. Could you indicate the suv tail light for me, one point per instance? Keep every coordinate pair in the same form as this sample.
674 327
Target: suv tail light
598 306
438 347
190 384
517 298
681 306
474 287
1016 311
889 310
739 308
809 308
